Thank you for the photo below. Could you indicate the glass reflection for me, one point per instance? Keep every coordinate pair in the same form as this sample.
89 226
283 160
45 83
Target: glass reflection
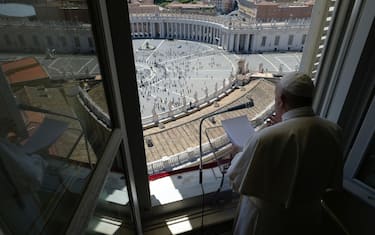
113 213
53 130
367 170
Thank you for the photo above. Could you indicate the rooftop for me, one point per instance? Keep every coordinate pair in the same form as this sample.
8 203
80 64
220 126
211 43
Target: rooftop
23 70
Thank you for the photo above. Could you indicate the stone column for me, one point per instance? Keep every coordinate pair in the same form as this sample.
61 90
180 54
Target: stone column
198 32
161 28
212 35
180 25
238 36
230 41
223 40
195 32
216 35
208 39
202 33
189 31
174 28
132 29
200 27
247 40
184 30
168 29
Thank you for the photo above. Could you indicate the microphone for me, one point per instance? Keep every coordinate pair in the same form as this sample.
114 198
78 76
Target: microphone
241 106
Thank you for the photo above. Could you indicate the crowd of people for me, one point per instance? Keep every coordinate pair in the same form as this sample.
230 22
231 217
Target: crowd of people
178 76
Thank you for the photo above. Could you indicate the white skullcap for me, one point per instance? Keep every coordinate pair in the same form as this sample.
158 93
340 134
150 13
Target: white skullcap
297 84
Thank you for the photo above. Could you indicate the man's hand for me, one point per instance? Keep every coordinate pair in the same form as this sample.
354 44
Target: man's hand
273 119
235 149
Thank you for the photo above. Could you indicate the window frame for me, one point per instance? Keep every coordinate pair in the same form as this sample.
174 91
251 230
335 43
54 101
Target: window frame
356 157
123 123
112 32
342 95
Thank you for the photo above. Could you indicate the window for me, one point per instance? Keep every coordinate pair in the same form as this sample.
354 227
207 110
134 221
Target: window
303 39
366 172
277 39
36 41
52 147
91 43
7 40
49 41
115 197
62 41
359 168
113 131
344 96
290 39
77 43
21 39
263 43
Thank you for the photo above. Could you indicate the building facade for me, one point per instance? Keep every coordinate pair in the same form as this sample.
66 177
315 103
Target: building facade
275 11
232 35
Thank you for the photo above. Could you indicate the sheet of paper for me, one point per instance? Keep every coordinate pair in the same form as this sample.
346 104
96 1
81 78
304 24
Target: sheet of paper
238 129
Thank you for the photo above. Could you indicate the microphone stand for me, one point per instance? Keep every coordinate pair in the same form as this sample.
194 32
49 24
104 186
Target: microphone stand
248 105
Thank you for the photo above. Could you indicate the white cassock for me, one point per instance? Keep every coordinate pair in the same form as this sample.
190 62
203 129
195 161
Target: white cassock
288 165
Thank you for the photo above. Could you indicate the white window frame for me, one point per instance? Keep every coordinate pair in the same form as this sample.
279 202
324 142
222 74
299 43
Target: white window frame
138 192
335 76
356 157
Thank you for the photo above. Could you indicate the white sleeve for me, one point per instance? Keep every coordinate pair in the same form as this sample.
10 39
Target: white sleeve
240 163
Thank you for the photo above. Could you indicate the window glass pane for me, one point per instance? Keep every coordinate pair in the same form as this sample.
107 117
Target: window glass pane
7 40
367 169
187 70
53 130
77 43
113 211
186 67
62 41
36 41
277 39
263 41
49 41
21 40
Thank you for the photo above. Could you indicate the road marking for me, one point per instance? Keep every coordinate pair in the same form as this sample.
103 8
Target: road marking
276 69
226 57
154 50
182 57
283 63
83 66
51 65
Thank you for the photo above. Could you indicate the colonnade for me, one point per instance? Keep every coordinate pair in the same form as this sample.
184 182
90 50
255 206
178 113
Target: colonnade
177 30
195 31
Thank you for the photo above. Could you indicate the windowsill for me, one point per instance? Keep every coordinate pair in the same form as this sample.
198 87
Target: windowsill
176 205
185 185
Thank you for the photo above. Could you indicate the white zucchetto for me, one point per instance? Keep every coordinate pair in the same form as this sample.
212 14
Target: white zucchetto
297 84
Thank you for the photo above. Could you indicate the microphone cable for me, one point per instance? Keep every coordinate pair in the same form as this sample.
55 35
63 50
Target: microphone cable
202 209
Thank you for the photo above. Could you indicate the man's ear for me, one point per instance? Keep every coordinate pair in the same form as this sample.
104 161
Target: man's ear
283 99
